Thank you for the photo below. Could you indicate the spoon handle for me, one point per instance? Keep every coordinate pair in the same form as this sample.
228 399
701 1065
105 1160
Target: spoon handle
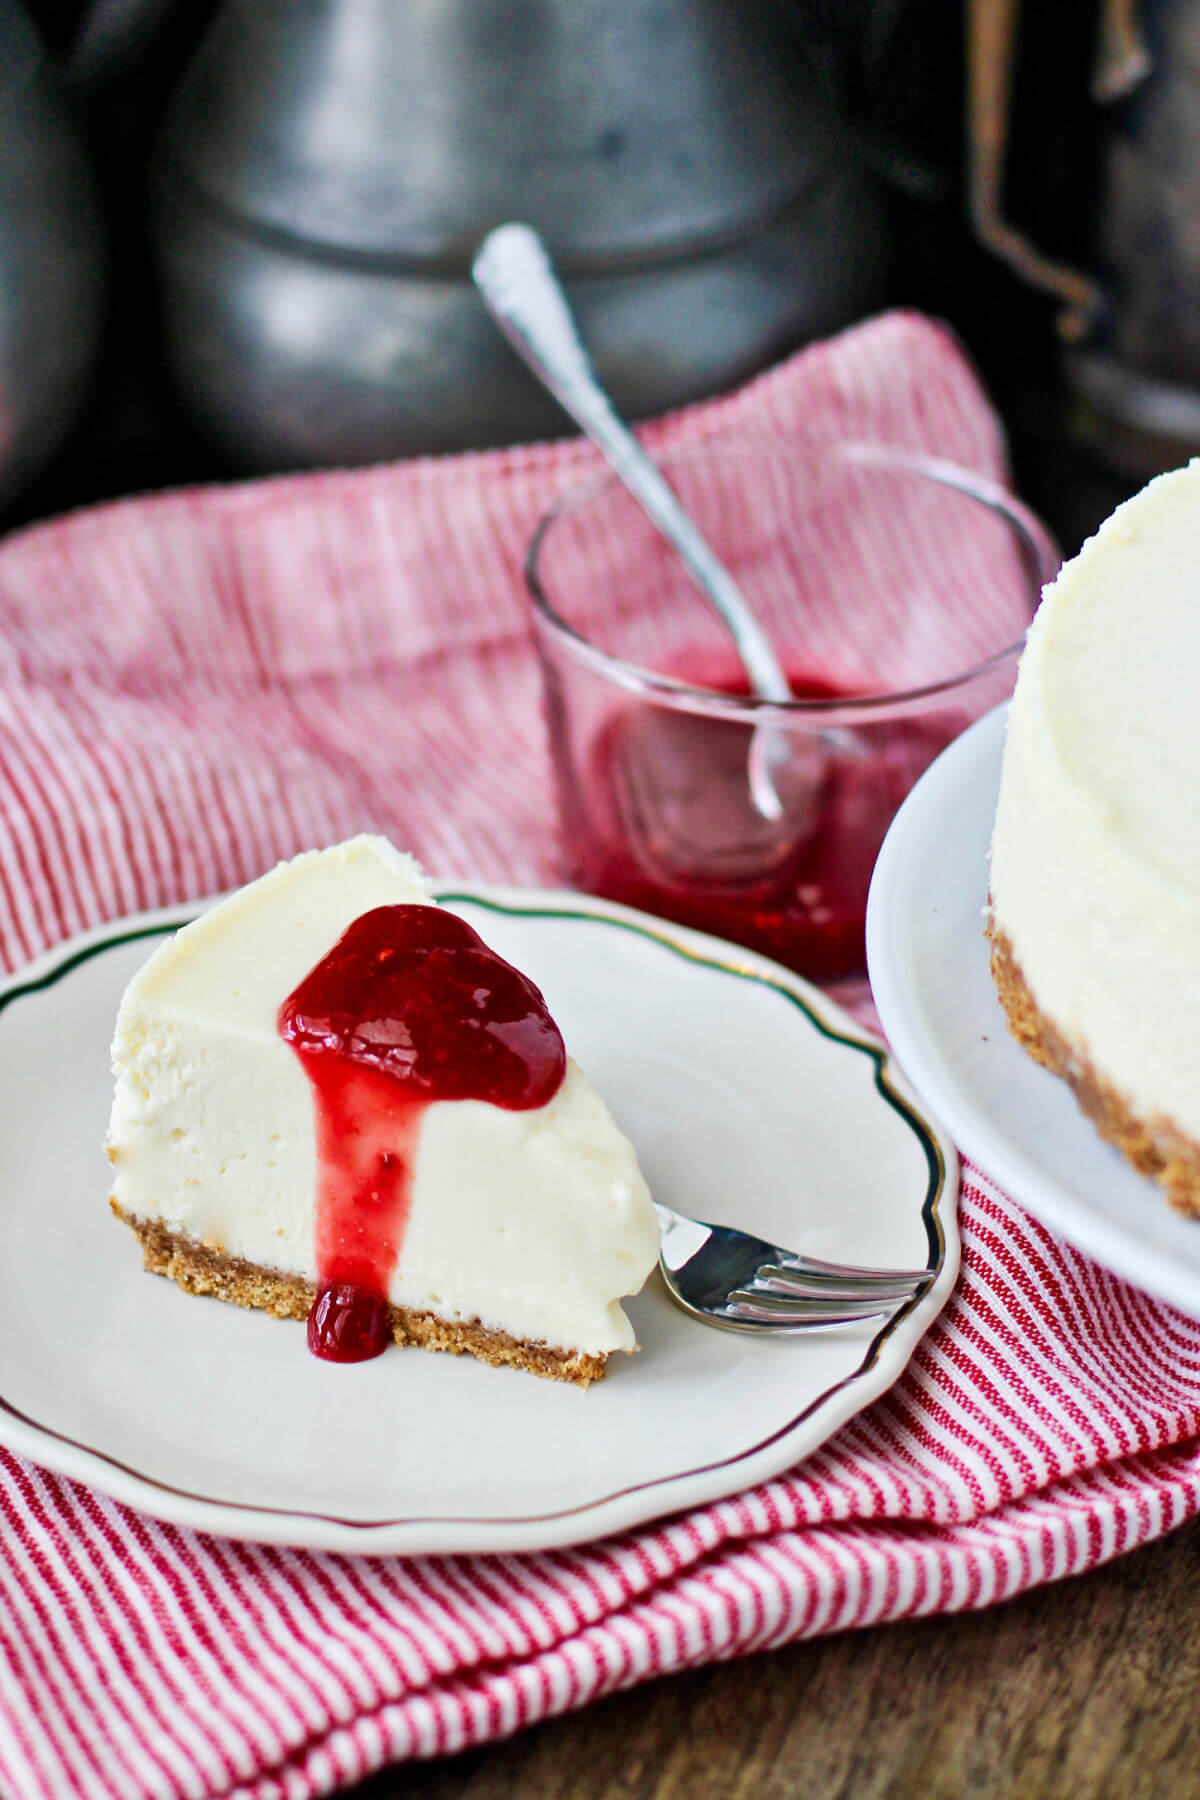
514 275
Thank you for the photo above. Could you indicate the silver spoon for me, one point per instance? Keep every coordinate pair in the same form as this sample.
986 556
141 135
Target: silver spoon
513 273
742 1283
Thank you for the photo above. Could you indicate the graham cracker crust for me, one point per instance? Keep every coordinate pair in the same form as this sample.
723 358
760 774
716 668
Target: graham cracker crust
1154 1146
198 1269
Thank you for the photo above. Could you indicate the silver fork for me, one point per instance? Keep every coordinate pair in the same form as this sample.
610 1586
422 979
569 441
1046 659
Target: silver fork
742 1283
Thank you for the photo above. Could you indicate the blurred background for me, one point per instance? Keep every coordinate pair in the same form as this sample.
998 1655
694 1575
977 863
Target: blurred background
235 237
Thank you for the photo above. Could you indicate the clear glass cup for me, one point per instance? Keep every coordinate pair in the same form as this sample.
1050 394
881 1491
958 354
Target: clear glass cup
896 589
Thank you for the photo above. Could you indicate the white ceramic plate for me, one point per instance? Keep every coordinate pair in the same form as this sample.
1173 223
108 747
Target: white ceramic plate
932 985
750 1099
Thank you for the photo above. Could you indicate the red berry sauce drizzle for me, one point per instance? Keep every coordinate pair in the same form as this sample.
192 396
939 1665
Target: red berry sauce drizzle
409 1007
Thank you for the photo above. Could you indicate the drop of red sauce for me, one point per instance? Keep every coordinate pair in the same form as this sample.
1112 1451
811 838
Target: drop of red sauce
347 1324
409 1007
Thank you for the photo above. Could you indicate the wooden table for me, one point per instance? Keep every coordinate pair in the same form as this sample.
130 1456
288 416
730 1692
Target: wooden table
1084 1688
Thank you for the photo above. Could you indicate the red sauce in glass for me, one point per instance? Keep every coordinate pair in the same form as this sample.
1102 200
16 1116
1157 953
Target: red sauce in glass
665 823
409 1007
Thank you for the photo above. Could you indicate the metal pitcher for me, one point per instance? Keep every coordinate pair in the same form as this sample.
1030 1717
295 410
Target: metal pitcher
51 274
329 167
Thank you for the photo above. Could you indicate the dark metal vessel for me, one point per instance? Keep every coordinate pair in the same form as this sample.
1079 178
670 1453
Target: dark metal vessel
330 166
51 277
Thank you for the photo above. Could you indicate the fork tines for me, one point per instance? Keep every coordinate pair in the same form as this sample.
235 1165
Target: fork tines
751 1308
797 1278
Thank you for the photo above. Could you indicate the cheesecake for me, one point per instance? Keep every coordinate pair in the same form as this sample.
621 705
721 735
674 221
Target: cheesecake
1094 885
334 1102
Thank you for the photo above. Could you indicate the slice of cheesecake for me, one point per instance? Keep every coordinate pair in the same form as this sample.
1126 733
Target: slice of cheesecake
333 1102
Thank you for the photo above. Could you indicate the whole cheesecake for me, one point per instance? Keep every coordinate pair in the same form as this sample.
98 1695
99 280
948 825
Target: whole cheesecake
1094 909
334 1102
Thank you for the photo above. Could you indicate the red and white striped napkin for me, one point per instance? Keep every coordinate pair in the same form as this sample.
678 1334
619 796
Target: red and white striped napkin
194 685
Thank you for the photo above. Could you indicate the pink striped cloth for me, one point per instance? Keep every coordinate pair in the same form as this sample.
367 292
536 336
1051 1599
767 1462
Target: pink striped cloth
195 685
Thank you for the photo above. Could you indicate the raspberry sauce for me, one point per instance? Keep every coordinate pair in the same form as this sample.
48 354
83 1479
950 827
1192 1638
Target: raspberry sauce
409 1007
660 818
